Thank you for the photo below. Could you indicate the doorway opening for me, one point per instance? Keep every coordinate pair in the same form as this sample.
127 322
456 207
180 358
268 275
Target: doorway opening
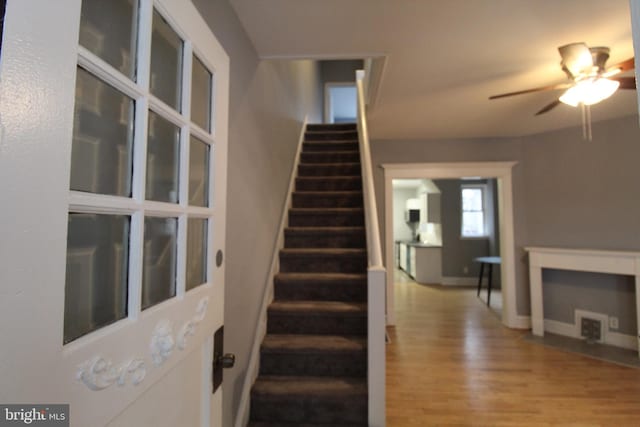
340 103
445 234
501 171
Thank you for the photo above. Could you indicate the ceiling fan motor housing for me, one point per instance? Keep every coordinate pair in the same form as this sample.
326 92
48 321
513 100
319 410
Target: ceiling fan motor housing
600 55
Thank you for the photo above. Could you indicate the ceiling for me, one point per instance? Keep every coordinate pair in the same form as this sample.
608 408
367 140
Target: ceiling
445 58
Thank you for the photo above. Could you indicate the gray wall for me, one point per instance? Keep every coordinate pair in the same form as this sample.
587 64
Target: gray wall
457 253
340 71
268 101
401 230
567 192
585 195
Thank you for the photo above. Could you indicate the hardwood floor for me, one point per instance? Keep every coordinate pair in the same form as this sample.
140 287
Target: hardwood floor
452 363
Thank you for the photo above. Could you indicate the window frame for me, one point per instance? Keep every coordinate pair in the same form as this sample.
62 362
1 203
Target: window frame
483 187
137 207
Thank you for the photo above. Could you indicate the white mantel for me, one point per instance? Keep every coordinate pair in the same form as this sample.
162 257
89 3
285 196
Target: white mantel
591 260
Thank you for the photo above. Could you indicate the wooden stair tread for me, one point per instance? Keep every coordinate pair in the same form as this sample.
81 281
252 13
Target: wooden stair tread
329 193
331 229
313 343
321 276
323 251
281 424
309 386
319 307
330 177
333 152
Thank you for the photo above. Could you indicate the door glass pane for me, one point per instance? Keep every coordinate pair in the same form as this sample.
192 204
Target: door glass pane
163 155
200 95
102 138
97 268
166 62
198 173
196 252
159 271
108 29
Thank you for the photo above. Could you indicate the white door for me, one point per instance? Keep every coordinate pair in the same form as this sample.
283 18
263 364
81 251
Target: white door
113 145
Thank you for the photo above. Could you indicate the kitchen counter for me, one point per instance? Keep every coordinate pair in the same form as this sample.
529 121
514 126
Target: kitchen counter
422 261
418 244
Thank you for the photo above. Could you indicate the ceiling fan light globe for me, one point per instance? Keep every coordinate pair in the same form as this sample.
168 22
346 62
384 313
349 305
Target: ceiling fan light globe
589 91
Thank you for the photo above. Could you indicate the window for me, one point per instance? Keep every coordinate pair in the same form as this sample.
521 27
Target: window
141 166
474 215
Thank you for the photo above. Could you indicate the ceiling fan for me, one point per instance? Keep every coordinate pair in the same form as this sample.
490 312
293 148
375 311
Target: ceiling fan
589 80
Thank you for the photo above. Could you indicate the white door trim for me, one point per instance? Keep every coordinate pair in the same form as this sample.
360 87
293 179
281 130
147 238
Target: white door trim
500 170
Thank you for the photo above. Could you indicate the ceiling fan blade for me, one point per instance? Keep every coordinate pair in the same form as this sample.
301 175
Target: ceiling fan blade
549 107
576 58
625 82
623 66
537 89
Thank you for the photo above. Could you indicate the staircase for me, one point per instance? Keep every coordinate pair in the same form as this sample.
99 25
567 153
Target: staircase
313 360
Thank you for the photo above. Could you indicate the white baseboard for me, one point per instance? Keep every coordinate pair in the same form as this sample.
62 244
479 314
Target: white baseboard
459 281
560 328
629 342
520 322
611 338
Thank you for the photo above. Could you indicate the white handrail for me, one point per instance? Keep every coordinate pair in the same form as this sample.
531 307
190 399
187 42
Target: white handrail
371 210
376 275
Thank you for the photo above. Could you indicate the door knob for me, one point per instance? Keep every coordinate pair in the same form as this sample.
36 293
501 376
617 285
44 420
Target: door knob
226 361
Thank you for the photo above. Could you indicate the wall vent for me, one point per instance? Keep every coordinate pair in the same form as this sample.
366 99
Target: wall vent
591 326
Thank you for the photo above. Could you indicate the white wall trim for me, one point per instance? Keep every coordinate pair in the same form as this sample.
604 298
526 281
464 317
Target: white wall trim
592 260
561 328
253 367
571 330
375 68
617 339
522 322
459 281
500 170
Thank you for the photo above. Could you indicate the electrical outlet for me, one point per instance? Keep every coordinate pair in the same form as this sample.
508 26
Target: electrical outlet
613 322
465 270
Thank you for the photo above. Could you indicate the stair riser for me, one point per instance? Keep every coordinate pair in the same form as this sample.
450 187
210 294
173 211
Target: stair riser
306 184
294 263
300 200
351 135
330 157
331 127
328 240
329 146
306 409
329 170
311 324
322 364
294 291
347 219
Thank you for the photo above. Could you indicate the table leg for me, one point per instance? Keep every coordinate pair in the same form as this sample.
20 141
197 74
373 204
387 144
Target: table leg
480 277
489 285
